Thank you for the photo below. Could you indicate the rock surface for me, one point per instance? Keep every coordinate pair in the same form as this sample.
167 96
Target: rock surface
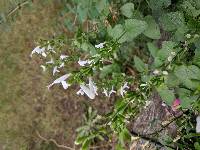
149 121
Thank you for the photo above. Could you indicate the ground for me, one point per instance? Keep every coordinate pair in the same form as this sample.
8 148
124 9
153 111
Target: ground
27 107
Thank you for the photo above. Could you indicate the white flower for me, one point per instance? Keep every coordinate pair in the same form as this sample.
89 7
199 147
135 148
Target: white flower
62 57
80 92
188 36
173 53
43 68
49 48
93 86
170 58
50 62
55 69
122 89
100 45
84 62
62 81
108 94
90 90
156 72
198 124
62 65
105 92
163 104
111 91
65 84
165 73
39 50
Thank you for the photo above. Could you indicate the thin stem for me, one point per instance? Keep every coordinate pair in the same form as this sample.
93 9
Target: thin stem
151 140
54 141
163 127
19 6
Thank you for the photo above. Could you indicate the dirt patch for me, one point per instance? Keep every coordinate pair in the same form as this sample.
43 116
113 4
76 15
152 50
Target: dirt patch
26 106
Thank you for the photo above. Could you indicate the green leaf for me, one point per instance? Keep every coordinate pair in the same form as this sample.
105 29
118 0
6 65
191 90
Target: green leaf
86 145
116 32
80 139
153 30
196 59
180 33
172 80
133 28
157 62
187 101
172 21
101 5
152 49
166 94
93 13
188 75
190 8
167 48
156 5
82 13
163 54
127 9
124 135
109 69
139 64
197 146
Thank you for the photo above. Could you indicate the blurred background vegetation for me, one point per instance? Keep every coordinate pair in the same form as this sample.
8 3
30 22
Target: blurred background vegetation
26 106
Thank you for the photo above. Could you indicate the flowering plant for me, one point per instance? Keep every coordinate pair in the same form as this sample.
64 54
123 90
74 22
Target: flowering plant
126 51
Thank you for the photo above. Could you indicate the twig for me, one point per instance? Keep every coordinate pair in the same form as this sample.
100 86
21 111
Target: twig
163 127
151 140
54 141
19 6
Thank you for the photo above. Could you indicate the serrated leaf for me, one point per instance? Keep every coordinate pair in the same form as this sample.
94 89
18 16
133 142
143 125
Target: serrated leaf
133 28
167 48
190 8
180 33
152 49
187 75
127 9
156 5
166 94
186 101
172 80
171 21
115 32
153 30
164 52
157 62
139 64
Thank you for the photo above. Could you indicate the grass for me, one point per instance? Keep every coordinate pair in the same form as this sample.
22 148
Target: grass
26 106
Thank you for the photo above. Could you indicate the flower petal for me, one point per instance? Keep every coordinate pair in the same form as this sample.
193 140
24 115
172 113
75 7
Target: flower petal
90 93
65 84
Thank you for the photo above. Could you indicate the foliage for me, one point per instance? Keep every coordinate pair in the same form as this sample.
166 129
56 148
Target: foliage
128 50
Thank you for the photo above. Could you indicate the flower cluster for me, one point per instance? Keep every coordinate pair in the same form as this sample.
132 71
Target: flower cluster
89 89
